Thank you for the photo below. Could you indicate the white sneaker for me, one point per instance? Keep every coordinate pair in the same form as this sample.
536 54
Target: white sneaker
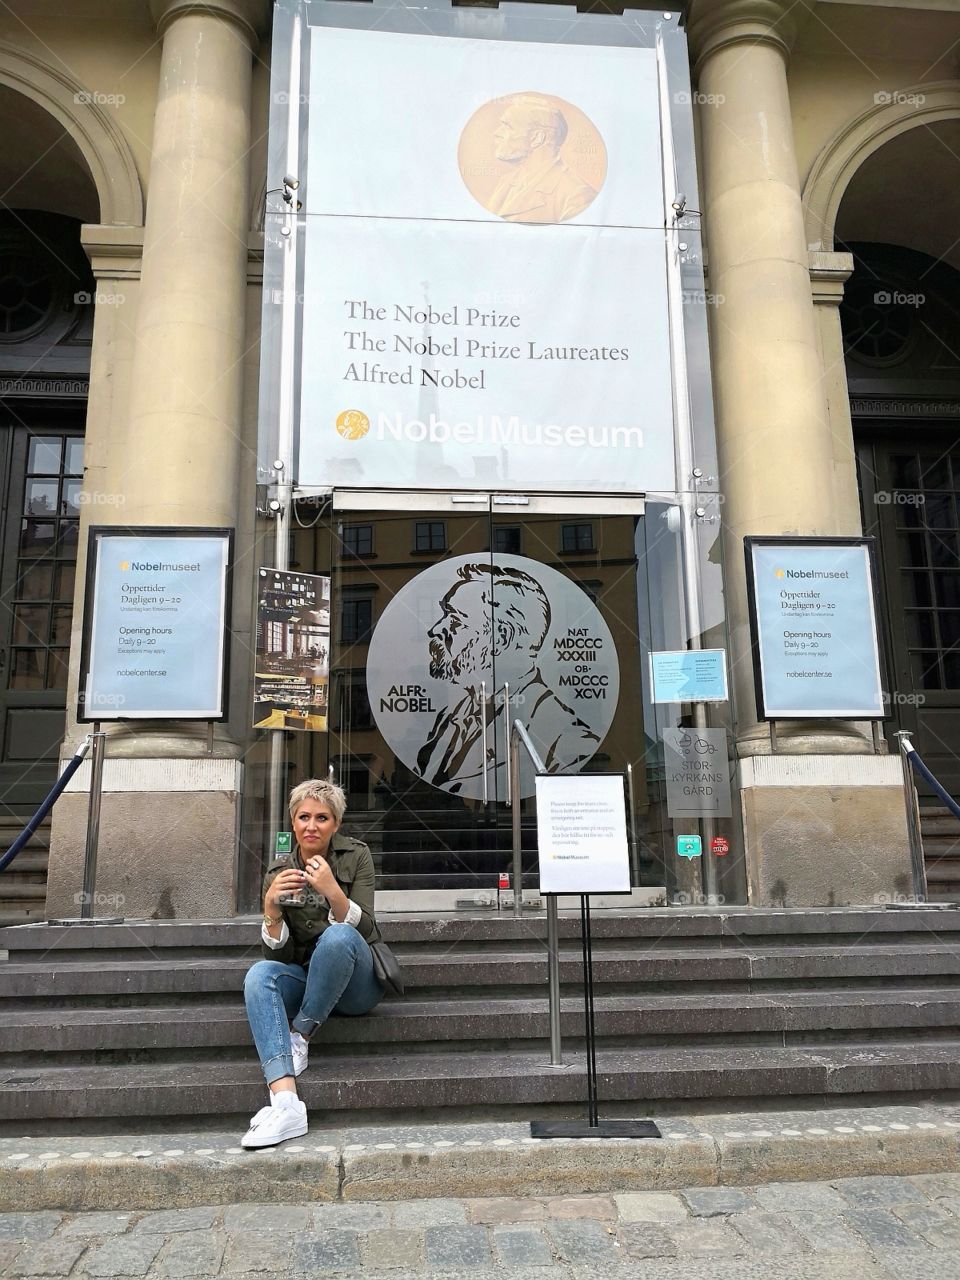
277 1123
300 1049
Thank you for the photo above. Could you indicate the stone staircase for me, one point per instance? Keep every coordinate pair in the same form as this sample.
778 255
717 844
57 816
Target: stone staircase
145 1020
940 832
23 886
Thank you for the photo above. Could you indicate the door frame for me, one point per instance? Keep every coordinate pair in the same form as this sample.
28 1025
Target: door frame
514 508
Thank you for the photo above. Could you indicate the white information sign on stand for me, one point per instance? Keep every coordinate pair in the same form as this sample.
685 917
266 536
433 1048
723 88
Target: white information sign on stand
582 834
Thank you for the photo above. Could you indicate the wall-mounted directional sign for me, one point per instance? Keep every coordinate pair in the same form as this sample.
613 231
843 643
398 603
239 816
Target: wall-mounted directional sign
697 773
813 615
155 624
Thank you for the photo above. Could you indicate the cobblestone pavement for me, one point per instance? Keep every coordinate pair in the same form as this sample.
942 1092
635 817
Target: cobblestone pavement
881 1228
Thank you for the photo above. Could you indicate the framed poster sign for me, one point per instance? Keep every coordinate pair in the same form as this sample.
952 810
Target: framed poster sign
813 619
291 681
155 624
582 833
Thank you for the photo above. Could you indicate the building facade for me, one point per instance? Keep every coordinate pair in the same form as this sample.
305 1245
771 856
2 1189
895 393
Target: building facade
136 187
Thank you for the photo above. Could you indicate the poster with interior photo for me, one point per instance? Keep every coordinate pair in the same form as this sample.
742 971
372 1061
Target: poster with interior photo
293 651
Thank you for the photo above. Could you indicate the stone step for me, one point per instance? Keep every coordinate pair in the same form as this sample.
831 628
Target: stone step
449 973
28 862
211 1029
666 927
423 1083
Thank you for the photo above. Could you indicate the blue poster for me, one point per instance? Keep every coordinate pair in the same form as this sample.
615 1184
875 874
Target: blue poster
689 675
157 627
816 630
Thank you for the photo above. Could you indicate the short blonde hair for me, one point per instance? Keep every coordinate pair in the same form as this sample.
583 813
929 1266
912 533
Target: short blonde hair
326 793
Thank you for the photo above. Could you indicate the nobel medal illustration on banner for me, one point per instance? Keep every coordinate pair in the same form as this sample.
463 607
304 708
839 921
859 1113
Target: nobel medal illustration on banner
293 651
531 157
468 622
485 276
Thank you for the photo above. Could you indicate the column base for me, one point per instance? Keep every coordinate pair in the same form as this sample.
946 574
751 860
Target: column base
824 831
169 840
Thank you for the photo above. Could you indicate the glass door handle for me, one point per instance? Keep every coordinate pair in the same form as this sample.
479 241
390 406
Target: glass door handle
506 717
483 739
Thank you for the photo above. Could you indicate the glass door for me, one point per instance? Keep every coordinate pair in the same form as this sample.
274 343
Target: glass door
411 666
450 621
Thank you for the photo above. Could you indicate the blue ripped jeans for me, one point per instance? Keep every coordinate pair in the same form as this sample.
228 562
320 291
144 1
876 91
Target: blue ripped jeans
339 978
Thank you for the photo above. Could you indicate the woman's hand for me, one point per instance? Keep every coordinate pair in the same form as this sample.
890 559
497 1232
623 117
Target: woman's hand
320 877
287 882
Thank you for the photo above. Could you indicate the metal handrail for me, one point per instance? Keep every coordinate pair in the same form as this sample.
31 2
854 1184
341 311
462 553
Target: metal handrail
911 760
51 798
911 763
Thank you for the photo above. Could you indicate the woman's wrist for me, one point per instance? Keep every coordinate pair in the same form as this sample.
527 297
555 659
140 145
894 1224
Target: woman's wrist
271 919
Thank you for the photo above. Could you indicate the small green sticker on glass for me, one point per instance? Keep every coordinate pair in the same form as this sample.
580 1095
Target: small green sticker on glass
284 842
689 846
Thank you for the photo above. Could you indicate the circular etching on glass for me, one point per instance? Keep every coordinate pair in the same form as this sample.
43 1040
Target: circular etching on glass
532 157
466 622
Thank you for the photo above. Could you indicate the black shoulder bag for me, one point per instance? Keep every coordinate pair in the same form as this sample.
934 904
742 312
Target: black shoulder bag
387 968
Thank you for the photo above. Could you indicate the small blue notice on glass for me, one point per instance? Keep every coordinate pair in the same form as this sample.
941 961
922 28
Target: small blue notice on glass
689 675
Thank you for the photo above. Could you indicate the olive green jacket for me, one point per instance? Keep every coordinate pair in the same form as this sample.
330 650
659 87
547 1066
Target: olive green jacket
352 867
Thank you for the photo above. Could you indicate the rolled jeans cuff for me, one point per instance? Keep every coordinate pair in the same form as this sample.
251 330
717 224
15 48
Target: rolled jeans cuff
278 1067
306 1027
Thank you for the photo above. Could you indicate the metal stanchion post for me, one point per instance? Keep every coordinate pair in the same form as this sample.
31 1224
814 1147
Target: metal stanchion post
93 823
912 807
553 977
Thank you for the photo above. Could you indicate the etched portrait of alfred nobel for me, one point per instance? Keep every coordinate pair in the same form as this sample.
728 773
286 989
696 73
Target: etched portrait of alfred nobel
539 186
495 618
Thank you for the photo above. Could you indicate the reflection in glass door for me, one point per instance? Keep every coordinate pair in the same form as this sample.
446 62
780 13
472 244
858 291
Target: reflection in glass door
453 622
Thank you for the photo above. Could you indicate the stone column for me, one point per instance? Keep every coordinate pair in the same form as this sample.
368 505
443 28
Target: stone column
183 438
169 827
820 828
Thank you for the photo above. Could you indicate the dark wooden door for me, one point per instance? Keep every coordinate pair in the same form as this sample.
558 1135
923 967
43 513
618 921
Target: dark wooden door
42 474
911 498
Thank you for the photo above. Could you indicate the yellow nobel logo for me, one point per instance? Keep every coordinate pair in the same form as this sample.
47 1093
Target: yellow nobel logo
353 424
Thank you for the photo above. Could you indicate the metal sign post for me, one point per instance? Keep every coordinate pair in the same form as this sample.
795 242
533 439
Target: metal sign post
590 813
93 823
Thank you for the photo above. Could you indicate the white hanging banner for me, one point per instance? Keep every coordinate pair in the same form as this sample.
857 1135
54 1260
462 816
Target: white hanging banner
582 834
485 297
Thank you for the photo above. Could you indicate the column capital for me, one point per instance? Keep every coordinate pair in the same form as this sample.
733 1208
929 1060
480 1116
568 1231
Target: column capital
251 16
715 24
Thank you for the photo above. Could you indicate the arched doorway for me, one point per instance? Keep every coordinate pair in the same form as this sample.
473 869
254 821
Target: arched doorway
901 327
47 298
